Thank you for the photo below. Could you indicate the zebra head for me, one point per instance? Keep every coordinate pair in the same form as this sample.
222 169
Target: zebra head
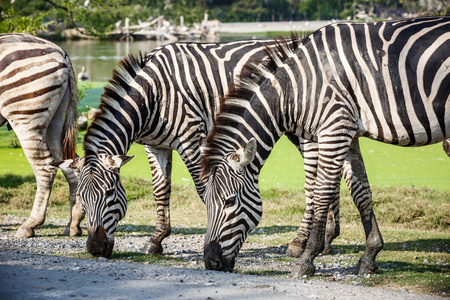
102 196
233 206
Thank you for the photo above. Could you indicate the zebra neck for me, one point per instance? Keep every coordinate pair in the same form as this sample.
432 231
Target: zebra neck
108 135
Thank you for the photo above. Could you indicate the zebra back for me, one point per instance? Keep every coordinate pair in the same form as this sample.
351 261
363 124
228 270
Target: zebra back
69 133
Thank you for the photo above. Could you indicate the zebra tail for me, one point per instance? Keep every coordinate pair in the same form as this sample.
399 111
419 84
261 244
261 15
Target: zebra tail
70 128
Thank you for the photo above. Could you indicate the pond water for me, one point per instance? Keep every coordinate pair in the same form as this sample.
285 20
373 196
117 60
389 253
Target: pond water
101 57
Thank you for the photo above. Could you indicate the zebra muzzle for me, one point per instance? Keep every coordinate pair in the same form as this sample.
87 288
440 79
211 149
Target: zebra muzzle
214 260
98 243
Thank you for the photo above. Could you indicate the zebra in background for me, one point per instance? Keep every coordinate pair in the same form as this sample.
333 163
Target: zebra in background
166 100
388 81
38 99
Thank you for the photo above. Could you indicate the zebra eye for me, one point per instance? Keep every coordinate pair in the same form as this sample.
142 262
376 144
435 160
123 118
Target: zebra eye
109 193
230 201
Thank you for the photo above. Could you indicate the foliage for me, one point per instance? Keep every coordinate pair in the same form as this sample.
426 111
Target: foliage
11 21
83 88
97 17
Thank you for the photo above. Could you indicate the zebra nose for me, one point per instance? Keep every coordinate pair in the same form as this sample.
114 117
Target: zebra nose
98 244
212 256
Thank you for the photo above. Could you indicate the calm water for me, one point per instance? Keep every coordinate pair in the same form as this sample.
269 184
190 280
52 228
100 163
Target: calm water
101 57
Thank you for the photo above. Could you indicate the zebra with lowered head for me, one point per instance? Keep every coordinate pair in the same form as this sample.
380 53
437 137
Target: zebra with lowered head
387 81
165 100
38 99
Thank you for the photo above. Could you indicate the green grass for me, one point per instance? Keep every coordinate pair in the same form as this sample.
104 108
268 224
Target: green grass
414 222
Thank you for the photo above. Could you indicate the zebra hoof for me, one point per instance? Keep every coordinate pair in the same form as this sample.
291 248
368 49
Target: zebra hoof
66 232
24 232
366 266
302 270
152 248
328 250
72 232
294 250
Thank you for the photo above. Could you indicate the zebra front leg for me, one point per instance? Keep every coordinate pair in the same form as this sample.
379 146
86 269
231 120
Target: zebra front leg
358 184
309 151
39 157
332 229
334 143
327 186
161 164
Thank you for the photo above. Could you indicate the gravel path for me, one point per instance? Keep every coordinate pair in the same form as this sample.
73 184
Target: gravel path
28 271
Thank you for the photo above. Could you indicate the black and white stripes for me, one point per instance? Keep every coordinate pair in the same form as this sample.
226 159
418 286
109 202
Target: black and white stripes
164 100
388 81
38 99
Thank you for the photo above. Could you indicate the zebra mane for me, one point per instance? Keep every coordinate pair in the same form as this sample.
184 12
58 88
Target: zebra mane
233 104
118 86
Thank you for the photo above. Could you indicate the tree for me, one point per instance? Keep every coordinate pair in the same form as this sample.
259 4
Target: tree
12 21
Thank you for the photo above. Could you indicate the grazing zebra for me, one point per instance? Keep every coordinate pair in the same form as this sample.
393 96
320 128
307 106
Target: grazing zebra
38 99
387 81
166 100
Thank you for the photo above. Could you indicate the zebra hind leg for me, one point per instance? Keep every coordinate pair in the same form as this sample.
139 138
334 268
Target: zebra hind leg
54 142
356 178
76 209
161 164
38 155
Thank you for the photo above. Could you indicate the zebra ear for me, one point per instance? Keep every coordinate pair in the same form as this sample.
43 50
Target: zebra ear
243 156
114 162
73 164
70 164
249 152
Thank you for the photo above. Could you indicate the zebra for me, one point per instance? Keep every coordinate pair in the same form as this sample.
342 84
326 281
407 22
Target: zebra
388 81
38 100
165 100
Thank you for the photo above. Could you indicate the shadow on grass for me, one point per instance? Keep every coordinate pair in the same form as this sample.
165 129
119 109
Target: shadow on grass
147 230
14 181
142 257
418 245
265 273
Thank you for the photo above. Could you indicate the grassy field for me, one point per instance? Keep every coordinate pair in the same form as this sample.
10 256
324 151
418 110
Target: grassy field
414 222
411 195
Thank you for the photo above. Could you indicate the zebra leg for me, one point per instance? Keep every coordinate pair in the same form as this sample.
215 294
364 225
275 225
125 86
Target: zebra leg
53 138
356 178
334 143
37 152
76 209
309 151
332 229
446 146
161 164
